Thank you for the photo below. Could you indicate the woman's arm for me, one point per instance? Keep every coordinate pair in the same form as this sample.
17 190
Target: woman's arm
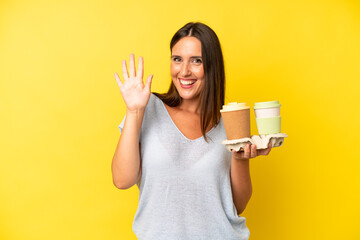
126 163
240 175
240 183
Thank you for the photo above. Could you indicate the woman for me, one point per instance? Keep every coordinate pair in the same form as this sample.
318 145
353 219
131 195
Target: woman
170 145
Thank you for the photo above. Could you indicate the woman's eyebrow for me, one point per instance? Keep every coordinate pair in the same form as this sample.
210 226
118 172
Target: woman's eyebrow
190 57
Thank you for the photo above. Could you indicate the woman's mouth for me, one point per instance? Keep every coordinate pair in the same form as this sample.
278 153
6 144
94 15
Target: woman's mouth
187 83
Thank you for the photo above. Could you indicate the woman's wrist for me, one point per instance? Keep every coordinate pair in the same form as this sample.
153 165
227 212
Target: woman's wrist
237 157
135 111
135 116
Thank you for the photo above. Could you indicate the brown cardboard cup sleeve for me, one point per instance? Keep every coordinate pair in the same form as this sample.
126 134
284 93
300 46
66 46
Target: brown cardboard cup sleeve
236 123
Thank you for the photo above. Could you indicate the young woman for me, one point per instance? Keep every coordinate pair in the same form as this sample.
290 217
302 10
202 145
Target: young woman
191 187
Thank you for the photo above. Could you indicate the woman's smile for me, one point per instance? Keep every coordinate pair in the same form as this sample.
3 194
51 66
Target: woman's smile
187 83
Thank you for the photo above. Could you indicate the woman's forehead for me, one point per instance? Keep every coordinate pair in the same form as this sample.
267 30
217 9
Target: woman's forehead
187 46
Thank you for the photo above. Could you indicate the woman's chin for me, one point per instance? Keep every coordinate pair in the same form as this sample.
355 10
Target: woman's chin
188 95
192 93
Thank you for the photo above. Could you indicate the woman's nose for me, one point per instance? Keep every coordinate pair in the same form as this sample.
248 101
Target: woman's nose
185 69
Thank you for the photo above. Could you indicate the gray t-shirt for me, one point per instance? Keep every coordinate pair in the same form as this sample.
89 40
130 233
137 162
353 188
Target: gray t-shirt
185 189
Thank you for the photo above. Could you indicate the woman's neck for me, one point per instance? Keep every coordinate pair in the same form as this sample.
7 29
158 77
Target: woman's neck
190 105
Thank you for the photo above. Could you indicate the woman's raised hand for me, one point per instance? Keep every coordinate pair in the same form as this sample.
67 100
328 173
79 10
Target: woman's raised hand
135 94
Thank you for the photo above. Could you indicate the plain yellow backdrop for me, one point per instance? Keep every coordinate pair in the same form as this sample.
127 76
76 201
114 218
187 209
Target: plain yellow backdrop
61 107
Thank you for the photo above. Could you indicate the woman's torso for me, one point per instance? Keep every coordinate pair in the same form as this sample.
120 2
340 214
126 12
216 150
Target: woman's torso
185 189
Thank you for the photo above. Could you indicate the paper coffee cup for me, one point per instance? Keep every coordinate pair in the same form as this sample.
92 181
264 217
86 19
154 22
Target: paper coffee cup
236 118
268 120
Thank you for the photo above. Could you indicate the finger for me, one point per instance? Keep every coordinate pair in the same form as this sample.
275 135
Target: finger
237 155
253 151
140 71
265 151
124 70
118 80
247 151
132 65
148 83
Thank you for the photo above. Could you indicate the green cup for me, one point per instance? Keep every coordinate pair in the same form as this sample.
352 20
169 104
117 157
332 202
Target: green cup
268 120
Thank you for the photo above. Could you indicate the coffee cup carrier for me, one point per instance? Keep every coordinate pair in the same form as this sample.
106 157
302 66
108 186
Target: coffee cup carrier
261 141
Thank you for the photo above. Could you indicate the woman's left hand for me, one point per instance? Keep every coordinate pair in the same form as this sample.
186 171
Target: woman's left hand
251 152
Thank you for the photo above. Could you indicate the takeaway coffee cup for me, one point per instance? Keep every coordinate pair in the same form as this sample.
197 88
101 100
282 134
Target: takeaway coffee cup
268 118
236 118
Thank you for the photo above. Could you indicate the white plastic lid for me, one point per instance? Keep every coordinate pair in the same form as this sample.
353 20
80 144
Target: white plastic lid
233 106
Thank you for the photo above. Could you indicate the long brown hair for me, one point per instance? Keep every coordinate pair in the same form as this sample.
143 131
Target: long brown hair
212 97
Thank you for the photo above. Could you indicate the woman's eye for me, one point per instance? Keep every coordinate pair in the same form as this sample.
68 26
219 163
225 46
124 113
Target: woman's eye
197 60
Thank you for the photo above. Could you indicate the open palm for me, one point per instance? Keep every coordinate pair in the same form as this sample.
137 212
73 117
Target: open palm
135 94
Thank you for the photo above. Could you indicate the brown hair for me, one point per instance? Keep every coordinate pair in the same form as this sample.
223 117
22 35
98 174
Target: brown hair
212 97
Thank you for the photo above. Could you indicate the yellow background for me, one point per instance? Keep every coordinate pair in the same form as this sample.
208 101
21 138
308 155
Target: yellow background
61 107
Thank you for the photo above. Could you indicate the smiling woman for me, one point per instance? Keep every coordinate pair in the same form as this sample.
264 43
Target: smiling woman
196 56
187 188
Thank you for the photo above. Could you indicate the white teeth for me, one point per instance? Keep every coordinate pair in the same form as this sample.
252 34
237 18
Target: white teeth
183 82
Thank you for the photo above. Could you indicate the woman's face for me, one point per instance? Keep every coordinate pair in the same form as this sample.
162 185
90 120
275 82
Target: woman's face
187 70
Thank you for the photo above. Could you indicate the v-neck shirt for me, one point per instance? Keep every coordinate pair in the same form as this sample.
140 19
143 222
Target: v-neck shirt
185 188
172 121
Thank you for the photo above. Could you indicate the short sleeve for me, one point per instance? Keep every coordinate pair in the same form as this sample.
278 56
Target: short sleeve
121 126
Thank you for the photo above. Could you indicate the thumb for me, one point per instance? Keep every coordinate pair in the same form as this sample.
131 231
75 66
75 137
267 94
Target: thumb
148 83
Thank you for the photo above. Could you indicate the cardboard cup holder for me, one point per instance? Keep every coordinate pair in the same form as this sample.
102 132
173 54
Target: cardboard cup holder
261 141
